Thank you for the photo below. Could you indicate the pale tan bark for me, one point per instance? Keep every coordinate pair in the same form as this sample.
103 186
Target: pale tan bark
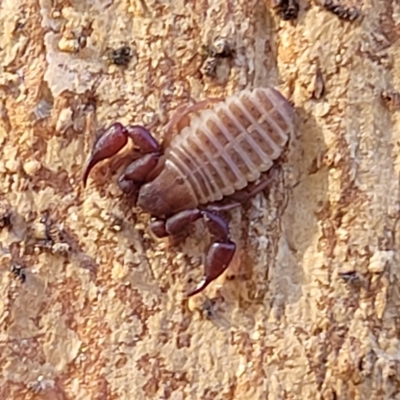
314 309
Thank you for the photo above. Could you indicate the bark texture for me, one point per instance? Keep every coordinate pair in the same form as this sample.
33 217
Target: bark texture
313 309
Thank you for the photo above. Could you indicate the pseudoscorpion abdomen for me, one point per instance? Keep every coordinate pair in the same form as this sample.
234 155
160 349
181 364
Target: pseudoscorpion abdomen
227 147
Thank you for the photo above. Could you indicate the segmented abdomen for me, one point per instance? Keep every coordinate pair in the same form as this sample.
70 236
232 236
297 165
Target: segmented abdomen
225 148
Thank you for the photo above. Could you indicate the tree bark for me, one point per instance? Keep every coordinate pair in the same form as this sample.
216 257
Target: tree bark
93 307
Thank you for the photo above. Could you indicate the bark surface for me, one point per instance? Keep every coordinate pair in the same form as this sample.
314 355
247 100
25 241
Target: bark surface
312 309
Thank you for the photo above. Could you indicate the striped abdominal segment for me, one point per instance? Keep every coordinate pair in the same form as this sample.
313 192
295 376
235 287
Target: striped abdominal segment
229 146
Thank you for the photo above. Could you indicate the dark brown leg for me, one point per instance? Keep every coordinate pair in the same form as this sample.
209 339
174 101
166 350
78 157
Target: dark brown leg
219 254
238 198
222 206
245 195
115 138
